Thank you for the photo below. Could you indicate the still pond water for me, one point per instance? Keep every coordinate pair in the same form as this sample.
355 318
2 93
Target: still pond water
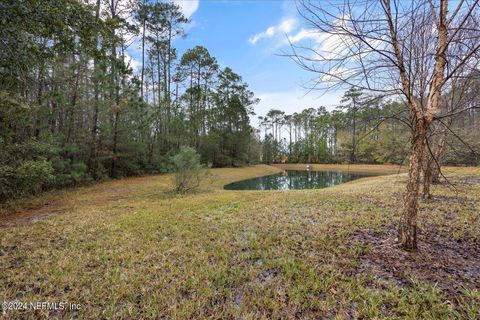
296 179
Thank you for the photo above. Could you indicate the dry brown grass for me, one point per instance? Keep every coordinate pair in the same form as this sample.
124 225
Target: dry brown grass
131 249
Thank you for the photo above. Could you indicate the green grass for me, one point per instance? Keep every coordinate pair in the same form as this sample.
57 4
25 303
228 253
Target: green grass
131 249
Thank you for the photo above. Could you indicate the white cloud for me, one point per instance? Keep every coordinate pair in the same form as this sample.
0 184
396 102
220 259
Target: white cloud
286 26
188 7
336 44
337 73
304 34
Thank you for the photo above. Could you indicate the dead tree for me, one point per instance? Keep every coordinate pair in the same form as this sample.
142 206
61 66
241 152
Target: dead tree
406 49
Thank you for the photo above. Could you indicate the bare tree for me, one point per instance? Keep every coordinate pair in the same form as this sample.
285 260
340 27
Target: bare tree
457 101
408 49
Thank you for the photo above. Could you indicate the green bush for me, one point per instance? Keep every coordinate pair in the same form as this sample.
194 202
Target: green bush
33 176
8 188
188 171
30 177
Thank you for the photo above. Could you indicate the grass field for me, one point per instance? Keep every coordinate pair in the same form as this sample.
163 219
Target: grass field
131 249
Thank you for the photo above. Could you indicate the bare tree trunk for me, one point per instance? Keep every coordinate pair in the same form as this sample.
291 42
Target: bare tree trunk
435 175
39 98
159 87
434 158
433 163
290 140
152 75
427 175
73 101
169 76
353 157
93 150
115 144
407 231
438 154
144 22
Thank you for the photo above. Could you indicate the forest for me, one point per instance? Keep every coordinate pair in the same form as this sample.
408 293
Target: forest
368 129
157 162
74 111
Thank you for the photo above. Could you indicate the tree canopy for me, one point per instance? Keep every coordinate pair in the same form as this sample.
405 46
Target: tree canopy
73 108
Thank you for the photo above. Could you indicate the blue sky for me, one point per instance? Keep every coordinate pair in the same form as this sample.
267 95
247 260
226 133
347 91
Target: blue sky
248 36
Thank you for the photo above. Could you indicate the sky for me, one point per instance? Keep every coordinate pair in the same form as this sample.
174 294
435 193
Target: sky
249 37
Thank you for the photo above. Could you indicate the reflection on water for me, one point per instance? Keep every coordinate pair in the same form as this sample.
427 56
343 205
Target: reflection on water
296 179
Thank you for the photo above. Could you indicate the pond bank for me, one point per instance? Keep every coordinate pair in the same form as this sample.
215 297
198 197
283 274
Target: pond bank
377 168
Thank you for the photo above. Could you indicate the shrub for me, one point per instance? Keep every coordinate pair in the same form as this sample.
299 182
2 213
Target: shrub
8 188
188 171
34 176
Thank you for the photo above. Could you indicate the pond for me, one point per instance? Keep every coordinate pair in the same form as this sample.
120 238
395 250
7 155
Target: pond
297 179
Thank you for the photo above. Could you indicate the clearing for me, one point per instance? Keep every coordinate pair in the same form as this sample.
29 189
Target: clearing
132 249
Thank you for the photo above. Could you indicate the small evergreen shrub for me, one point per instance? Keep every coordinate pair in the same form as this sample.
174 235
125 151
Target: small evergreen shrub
33 176
188 170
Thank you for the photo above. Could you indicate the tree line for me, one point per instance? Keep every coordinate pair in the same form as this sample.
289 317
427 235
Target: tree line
357 131
371 129
73 109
